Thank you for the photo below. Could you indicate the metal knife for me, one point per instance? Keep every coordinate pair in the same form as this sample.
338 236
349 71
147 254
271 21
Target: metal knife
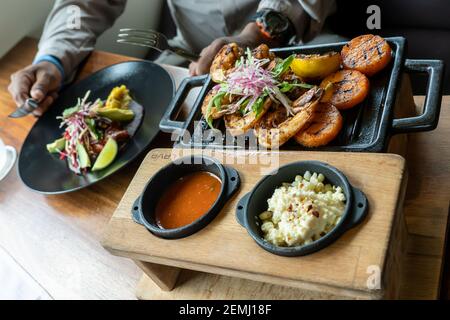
25 109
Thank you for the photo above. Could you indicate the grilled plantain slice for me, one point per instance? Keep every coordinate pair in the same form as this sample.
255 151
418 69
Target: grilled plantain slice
368 54
350 87
323 128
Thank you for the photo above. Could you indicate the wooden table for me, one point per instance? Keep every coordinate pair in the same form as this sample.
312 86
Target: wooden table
56 238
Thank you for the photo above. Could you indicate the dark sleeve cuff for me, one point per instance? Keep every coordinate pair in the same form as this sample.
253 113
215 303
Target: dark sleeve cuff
51 59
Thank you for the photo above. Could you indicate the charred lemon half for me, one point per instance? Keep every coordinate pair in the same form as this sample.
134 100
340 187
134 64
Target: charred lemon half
316 66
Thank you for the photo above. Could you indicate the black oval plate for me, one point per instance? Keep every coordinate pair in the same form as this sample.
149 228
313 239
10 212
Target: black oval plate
150 86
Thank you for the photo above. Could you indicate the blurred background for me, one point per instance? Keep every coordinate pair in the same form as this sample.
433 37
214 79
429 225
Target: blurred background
16 23
425 24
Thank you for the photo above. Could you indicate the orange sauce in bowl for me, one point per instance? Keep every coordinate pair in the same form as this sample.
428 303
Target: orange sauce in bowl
187 199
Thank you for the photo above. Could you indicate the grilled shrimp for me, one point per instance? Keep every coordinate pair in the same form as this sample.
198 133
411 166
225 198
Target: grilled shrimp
238 124
263 52
277 127
224 61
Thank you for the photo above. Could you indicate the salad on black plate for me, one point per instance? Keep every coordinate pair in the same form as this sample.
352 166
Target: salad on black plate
96 131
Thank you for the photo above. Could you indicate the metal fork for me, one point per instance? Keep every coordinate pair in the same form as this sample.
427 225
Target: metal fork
152 39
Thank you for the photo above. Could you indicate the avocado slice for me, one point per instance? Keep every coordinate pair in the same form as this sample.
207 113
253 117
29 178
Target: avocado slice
83 156
56 146
121 115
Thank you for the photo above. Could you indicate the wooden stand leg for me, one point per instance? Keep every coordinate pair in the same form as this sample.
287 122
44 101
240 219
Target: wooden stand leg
164 277
392 277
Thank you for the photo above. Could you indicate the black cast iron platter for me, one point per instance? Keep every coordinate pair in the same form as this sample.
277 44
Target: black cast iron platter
367 127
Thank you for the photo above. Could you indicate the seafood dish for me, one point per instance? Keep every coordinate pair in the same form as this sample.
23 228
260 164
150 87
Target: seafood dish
299 98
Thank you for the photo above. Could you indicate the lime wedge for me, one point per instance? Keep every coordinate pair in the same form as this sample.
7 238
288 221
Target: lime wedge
83 156
107 156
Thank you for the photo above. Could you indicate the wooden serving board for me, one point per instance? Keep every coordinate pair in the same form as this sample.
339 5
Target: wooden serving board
225 248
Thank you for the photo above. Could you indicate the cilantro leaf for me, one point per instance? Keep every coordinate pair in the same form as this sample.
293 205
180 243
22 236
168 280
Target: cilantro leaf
283 66
70 111
287 87
216 101
93 130
258 105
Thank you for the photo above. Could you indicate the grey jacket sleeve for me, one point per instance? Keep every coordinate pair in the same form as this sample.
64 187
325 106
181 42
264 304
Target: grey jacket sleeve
72 28
308 16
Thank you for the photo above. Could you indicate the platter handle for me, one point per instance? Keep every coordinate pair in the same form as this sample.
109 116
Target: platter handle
136 211
241 209
359 210
429 119
234 181
167 124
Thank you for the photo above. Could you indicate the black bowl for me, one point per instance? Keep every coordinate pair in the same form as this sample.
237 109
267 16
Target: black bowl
144 207
255 202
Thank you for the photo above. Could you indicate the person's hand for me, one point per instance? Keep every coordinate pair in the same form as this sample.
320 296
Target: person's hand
207 56
250 36
40 82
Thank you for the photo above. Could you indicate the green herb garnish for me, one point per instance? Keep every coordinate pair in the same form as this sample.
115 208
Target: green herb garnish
283 66
287 87
216 101
92 129
258 105
70 111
